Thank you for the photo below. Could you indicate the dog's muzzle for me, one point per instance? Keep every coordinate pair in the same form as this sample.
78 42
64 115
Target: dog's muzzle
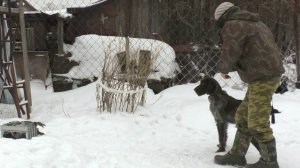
199 91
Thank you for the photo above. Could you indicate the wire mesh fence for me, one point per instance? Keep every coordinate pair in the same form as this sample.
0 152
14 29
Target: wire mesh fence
8 111
77 34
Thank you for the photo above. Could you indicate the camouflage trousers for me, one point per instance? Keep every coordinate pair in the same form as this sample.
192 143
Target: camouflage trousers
253 115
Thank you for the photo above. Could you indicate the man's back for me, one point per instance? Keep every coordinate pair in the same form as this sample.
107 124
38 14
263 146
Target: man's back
250 43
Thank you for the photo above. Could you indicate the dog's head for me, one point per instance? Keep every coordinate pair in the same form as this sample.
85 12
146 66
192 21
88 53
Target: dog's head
208 85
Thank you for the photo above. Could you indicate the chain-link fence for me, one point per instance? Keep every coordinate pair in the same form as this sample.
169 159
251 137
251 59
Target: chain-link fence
77 35
7 111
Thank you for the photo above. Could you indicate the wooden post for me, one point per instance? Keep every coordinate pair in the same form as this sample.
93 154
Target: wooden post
25 56
297 43
144 65
127 58
30 39
60 35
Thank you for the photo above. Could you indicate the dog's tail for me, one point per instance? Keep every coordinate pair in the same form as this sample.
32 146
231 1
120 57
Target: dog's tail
274 111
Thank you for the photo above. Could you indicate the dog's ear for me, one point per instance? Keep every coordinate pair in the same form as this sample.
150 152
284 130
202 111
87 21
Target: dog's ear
200 90
216 87
211 86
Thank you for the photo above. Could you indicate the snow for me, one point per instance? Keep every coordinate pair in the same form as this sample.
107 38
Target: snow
49 5
59 7
290 73
90 51
62 13
175 129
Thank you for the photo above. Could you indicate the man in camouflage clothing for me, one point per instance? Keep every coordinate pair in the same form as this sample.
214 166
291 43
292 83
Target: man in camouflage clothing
249 48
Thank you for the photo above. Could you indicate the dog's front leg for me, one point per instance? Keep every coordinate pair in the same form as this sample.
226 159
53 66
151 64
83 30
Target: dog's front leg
222 131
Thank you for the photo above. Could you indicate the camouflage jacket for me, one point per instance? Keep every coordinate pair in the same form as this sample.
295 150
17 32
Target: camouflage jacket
248 47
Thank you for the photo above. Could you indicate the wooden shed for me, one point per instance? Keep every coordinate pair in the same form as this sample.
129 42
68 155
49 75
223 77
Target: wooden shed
117 18
38 24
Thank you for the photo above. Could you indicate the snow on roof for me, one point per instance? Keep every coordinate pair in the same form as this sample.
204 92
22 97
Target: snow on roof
92 4
62 13
32 12
55 5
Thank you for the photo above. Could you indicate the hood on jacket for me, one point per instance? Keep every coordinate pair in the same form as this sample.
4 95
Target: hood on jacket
235 13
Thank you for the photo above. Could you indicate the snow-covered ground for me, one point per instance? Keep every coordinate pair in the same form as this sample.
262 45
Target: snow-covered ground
173 130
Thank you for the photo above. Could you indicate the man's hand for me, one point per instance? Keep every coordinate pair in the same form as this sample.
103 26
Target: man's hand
225 76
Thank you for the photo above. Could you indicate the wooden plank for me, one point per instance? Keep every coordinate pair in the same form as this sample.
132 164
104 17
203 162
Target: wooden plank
127 56
23 103
1 89
5 10
133 19
9 87
154 17
121 19
122 61
6 87
30 38
27 90
21 82
145 19
60 35
7 63
144 65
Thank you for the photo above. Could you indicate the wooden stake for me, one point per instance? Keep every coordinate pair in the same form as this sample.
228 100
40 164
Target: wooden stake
27 88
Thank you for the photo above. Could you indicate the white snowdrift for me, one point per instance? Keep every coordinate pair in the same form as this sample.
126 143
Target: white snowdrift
175 129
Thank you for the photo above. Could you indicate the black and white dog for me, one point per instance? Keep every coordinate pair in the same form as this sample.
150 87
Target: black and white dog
222 106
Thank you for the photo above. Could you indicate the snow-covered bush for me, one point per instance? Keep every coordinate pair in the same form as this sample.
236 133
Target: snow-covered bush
90 50
122 85
290 74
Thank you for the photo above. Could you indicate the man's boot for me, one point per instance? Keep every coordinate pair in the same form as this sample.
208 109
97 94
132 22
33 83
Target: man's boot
268 157
236 156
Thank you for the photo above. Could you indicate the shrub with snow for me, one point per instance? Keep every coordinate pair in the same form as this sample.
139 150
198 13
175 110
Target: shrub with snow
90 51
290 74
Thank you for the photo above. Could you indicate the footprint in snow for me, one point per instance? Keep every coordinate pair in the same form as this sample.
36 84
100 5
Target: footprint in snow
178 117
